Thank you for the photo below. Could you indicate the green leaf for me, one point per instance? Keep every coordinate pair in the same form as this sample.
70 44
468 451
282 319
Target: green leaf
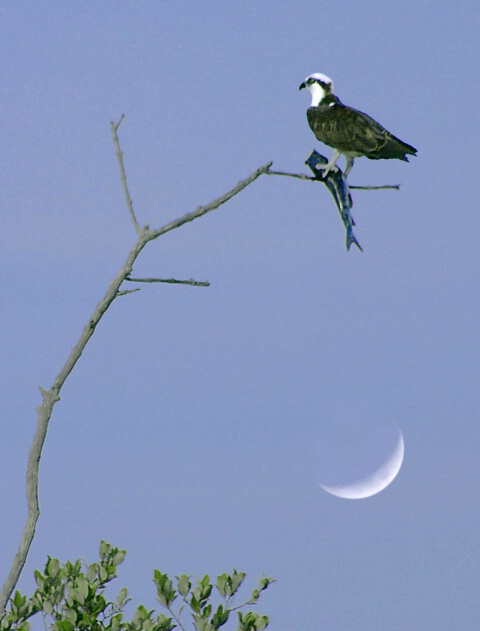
52 568
115 623
261 622
236 580
221 584
201 624
96 605
194 604
141 613
18 601
104 549
119 557
71 615
122 597
39 579
141 618
82 586
165 592
183 585
251 622
265 582
220 617
48 607
91 572
164 623
73 569
203 589
205 582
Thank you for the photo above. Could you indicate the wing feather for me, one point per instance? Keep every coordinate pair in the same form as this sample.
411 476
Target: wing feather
352 131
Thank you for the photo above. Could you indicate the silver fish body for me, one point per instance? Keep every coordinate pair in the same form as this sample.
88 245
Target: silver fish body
338 187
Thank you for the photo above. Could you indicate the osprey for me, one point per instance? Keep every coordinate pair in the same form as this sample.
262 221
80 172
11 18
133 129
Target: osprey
348 131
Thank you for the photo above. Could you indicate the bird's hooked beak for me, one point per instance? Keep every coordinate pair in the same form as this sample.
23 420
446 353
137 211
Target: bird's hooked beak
302 86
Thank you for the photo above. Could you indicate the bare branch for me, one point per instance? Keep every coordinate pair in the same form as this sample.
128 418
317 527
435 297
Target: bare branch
116 127
203 210
51 396
124 292
171 281
301 176
393 187
119 154
44 413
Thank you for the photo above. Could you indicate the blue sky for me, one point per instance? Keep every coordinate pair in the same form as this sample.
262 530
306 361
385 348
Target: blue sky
187 434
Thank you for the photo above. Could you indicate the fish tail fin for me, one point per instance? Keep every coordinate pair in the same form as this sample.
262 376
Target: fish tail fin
352 240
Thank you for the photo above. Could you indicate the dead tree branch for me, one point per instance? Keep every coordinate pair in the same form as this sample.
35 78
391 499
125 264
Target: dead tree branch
119 153
170 281
51 396
301 176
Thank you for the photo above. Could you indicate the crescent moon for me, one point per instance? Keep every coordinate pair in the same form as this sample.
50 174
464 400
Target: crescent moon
376 481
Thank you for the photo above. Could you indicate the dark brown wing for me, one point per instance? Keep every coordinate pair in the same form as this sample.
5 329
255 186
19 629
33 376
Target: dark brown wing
351 131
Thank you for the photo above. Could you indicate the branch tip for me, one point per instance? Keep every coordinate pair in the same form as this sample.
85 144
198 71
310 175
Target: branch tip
170 281
302 176
123 176
124 292
119 122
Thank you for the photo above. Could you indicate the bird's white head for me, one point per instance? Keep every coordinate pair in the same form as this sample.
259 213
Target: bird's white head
319 85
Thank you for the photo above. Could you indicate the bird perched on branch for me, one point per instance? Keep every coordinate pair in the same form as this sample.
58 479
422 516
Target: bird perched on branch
346 130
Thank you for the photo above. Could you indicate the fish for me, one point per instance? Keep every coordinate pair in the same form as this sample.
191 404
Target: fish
336 183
